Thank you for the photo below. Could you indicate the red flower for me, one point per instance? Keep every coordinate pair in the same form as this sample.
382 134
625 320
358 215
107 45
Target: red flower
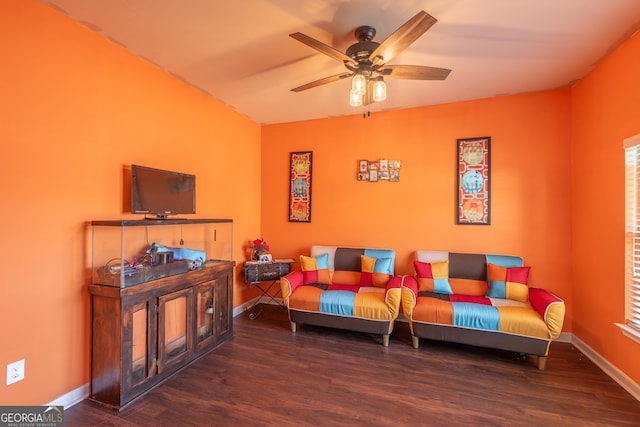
259 245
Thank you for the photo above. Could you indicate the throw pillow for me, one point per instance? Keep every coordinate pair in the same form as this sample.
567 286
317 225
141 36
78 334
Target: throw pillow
373 271
433 276
508 282
315 269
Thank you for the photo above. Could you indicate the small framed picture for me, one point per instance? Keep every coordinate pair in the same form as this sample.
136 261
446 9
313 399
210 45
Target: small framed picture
394 175
363 176
374 165
363 165
383 175
384 165
373 175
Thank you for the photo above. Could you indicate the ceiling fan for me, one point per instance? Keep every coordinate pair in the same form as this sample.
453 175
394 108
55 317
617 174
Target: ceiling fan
366 60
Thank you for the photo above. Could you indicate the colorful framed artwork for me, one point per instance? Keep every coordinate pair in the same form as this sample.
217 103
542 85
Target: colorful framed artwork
473 179
300 186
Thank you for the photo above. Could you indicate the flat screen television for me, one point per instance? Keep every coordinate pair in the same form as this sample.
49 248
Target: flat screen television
159 193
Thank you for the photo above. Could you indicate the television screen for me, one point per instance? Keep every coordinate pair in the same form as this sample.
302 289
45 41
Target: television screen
162 193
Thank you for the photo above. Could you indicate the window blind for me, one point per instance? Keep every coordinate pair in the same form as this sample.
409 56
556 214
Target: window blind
632 231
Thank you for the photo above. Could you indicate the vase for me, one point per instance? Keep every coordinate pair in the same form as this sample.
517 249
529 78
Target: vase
256 255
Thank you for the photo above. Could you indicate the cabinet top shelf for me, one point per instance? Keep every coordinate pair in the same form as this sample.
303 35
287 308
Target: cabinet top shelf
172 221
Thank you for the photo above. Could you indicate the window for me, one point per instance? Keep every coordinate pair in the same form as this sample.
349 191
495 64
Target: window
631 327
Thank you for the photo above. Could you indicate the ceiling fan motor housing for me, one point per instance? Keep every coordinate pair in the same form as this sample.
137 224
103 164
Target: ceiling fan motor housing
362 50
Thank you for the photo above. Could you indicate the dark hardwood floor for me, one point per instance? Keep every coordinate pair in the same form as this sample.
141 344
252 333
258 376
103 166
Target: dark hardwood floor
267 376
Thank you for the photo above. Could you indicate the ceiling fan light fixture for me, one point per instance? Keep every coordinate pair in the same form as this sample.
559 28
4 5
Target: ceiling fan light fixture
379 89
355 99
359 84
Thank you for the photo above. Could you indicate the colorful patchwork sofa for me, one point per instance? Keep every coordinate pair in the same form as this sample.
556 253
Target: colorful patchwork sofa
345 288
482 300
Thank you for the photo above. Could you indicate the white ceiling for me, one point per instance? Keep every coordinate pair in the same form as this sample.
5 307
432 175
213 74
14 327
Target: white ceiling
240 52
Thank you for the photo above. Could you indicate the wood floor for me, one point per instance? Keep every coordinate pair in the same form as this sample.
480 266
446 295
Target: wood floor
267 376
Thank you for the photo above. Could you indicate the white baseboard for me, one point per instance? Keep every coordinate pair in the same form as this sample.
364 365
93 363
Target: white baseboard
616 374
249 304
564 337
242 307
71 398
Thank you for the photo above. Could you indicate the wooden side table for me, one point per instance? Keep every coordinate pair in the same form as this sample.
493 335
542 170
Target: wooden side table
264 276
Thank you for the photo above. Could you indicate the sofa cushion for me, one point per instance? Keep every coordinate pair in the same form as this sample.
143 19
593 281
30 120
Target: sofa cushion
433 276
374 271
497 314
346 265
315 269
343 300
508 282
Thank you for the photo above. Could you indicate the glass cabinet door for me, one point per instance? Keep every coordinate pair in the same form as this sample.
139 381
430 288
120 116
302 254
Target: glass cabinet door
175 339
138 353
223 293
206 312
140 347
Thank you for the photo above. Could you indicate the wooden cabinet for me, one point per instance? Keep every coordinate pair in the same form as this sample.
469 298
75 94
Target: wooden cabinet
142 334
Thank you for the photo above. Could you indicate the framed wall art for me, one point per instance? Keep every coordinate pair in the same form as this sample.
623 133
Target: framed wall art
379 170
300 186
473 201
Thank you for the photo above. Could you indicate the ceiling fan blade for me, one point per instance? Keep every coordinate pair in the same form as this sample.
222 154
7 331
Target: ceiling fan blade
401 38
323 48
321 82
414 72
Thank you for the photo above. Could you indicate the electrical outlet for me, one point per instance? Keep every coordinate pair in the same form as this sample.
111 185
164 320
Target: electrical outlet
15 372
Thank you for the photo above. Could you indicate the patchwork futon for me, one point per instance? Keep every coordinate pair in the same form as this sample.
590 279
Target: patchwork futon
482 300
345 288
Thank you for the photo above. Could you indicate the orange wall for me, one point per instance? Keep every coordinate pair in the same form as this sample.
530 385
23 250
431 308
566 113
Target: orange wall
75 109
606 110
530 200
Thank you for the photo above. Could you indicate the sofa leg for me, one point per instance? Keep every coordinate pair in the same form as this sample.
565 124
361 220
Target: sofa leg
542 362
415 341
293 326
385 340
